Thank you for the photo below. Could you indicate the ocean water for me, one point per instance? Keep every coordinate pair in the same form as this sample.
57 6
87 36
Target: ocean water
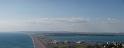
88 38
15 40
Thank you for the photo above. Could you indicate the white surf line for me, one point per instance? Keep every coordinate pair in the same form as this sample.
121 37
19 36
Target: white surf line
32 40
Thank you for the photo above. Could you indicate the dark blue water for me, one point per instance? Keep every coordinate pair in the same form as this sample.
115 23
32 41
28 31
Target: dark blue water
88 38
15 40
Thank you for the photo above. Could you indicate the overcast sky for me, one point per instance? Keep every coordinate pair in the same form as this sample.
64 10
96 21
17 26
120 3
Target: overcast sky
62 15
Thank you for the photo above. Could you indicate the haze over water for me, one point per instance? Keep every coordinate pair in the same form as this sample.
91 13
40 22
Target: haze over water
88 38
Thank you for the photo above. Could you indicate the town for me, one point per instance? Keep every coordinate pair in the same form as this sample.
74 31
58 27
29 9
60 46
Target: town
78 44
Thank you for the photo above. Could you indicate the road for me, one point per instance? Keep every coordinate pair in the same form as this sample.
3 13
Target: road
38 43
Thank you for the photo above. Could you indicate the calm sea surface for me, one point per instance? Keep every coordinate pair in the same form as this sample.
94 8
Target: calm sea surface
88 38
15 40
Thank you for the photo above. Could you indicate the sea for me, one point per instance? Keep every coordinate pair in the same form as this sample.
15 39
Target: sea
15 40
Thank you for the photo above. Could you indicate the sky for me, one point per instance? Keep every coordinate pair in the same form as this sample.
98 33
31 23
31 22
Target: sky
62 15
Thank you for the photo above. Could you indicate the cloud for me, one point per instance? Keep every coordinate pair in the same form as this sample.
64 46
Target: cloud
67 20
74 24
59 24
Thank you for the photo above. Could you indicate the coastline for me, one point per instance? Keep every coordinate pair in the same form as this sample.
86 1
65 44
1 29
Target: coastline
37 43
33 42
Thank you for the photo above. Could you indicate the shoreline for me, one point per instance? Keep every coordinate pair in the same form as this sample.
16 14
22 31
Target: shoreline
37 43
33 42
